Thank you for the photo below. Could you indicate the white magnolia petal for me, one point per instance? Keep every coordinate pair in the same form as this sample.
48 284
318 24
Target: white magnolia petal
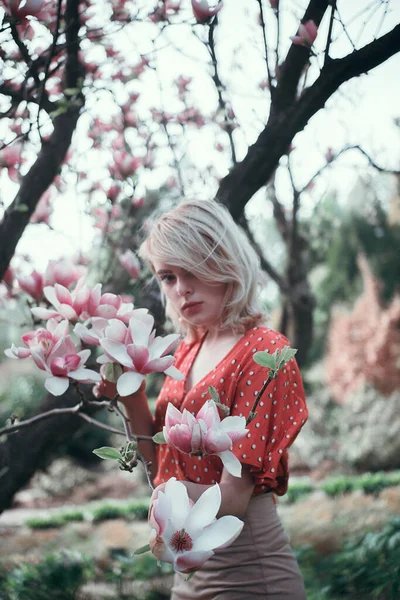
117 351
231 423
219 534
231 463
161 513
190 561
51 295
140 327
180 504
44 313
160 345
85 375
104 359
66 311
174 373
84 355
56 385
129 383
116 330
204 511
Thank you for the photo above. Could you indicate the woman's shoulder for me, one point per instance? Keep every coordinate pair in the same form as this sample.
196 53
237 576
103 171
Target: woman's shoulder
264 334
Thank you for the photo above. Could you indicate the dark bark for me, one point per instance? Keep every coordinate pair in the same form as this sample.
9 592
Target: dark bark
52 153
24 452
288 116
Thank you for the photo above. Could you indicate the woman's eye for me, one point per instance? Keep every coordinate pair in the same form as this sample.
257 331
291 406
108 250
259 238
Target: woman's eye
167 278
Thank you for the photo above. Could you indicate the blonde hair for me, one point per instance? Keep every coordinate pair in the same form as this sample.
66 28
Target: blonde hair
201 237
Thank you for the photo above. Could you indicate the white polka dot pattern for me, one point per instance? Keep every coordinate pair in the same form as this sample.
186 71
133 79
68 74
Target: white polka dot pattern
280 414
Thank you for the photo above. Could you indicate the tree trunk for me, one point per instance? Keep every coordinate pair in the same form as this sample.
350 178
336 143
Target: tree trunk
24 452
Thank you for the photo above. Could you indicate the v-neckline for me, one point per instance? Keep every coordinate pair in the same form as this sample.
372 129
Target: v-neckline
187 391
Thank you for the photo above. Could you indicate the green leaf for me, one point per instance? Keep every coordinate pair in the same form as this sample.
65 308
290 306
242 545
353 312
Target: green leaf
265 359
108 453
159 438
213 393
286 354
22 208
71 91
142 550
113 372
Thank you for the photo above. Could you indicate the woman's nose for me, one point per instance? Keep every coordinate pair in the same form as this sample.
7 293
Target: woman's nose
184 288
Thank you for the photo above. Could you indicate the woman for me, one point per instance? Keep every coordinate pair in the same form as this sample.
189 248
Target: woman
209 277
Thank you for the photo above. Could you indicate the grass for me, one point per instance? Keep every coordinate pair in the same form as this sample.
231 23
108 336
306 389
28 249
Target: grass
133 510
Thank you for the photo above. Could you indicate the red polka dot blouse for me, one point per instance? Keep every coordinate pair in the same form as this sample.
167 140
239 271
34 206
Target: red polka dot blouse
281 412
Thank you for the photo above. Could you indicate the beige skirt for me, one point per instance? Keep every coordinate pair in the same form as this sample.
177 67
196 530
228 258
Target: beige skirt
259 564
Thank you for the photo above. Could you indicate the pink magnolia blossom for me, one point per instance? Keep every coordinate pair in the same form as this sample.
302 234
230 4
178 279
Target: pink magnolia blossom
32 284
8 277
92 331
124 164
186 534
203 12
108 306
129 261
205 433
53 351
63 272
42 339
66 304
20 10
138 351
306 34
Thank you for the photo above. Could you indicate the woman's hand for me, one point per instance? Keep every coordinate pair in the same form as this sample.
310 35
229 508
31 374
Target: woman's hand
109 390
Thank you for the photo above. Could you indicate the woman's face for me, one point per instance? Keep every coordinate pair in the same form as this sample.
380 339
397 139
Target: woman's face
199 303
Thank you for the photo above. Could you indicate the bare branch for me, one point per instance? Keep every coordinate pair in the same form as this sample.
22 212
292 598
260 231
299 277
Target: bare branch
258 166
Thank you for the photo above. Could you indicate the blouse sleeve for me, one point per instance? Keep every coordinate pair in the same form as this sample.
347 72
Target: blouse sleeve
280 414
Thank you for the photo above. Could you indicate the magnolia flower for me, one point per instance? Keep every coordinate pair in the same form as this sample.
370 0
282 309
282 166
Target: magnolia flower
306 34
92 331
66 304
63 363
205 433
186 534
138 350
83 303
20 9
64 272
202 10
42 340
54 352
129 261
32 284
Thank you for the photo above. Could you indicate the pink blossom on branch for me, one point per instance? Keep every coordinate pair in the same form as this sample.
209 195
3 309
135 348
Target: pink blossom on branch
63 272
203 12
306 34
185 534
138 351
32 284
20 9
53 351
129 261
205 433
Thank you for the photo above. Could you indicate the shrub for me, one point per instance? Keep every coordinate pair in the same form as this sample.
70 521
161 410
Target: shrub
367 567
58 576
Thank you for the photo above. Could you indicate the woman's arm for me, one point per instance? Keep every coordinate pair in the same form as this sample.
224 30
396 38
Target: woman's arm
235 491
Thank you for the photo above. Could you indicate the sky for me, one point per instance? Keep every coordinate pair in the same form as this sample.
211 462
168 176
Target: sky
363 111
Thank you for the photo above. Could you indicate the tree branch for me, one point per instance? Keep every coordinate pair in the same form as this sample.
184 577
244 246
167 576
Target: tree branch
247 177
52 153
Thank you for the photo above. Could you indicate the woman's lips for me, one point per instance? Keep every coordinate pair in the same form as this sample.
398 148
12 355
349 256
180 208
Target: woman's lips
189 307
